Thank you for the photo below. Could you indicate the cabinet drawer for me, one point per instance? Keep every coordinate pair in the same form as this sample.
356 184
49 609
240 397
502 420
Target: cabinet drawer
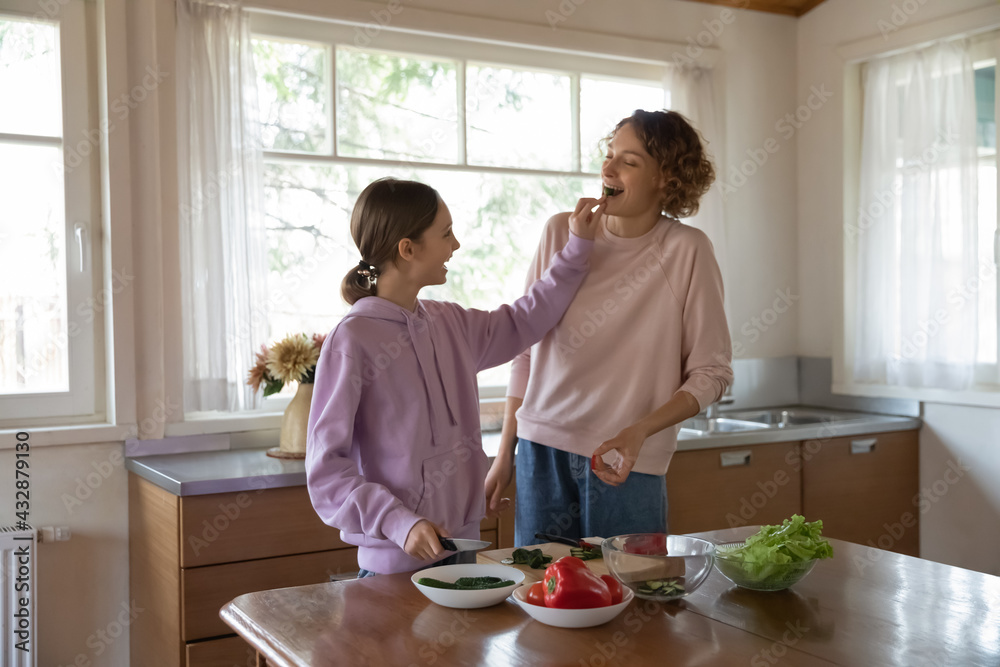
490 536
502 525
229 527
204 590
228 652
710 489
863 488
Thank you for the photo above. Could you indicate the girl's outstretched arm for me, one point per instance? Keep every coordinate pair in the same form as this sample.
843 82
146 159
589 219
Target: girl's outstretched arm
500 335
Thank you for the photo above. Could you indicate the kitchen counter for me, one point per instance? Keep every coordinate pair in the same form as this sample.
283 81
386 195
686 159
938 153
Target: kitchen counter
224 471
834 424
864 606
199 473
228 470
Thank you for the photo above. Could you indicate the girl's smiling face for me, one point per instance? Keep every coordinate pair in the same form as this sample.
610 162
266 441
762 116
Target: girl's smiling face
634 175
434 248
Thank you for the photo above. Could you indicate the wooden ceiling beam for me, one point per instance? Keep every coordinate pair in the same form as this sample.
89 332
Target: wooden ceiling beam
786 7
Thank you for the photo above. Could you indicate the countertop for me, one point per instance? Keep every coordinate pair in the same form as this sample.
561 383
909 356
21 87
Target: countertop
224 471
864 606
836 424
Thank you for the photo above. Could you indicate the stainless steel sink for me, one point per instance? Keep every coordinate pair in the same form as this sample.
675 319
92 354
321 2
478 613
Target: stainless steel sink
785 417
703 426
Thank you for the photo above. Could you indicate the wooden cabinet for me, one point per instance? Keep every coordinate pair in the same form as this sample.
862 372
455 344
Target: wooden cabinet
711 489
504 524
865 489
190 555
228 652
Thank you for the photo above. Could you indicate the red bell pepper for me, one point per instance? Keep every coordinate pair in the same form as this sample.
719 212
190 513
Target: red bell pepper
570 584
536 594
653 544
614 587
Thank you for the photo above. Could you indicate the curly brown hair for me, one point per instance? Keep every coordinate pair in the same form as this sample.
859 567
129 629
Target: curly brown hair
679 149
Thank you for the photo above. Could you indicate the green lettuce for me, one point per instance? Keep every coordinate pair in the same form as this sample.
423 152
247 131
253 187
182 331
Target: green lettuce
764 553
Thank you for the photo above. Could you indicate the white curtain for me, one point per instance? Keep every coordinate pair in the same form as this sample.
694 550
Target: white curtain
916 226
223 250
692 94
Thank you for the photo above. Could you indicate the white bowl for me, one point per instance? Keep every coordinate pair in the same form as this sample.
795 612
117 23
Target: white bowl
468 599
572 618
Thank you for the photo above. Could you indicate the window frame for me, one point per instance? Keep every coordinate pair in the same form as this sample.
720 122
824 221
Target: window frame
986 52
85 400
983 28
464 50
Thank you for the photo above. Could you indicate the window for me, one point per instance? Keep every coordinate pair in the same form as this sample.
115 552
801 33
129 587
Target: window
49 316
989 236
507 135
924 237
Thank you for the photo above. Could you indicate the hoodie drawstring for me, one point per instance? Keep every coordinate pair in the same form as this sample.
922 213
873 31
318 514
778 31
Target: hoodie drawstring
420 338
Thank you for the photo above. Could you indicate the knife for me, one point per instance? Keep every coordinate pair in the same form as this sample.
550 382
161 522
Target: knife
582 544
456 544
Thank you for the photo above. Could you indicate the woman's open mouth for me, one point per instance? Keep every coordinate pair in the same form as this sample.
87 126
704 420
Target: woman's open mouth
612 191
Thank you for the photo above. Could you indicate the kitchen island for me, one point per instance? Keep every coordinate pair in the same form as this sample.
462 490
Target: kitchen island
865 606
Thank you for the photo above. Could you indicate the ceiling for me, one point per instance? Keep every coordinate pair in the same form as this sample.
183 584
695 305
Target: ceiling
788 7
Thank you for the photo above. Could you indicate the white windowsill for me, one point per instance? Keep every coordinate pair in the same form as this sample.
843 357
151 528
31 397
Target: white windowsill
207 423
79 434
985 399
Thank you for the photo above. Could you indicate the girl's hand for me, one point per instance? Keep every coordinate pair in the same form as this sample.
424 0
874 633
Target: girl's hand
498 479
627 443
423 541
584 220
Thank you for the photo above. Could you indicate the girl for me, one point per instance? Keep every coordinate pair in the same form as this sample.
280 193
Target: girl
651 311
394 454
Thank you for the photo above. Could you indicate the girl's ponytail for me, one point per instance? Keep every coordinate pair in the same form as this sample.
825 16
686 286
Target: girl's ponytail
387 211
356 286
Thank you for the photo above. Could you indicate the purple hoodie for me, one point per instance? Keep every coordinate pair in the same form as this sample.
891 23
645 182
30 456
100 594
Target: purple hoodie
394 425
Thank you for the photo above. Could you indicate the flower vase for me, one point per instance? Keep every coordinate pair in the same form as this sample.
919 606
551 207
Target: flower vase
294 425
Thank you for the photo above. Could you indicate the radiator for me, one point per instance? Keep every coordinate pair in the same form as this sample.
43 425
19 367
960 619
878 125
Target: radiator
18 558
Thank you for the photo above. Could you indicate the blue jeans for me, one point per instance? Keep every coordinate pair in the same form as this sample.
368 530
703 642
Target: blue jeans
457 558
558 494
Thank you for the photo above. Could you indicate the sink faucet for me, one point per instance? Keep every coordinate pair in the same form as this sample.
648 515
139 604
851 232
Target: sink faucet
712 411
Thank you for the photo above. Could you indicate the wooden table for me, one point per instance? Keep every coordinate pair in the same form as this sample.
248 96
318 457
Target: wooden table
863 607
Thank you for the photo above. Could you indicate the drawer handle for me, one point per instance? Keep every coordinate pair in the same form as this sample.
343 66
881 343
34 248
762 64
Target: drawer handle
734 459
866 446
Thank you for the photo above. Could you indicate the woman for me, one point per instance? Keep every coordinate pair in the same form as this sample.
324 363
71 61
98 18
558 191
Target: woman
644 346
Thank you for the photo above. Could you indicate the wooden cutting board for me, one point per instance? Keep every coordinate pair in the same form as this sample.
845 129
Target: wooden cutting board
557 551
665 569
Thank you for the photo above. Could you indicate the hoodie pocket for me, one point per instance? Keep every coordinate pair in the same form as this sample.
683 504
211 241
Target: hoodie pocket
453 493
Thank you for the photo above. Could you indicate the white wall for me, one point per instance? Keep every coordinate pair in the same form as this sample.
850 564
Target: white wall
82 583
959 527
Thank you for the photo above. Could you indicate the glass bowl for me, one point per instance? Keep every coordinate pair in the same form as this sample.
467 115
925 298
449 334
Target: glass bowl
657 566
769 577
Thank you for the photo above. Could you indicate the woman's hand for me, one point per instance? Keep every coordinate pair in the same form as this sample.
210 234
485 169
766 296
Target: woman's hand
423 541
627 443
497 479
584 220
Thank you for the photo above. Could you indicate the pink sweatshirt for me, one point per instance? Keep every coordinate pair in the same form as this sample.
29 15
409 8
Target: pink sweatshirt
647 321
394 424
